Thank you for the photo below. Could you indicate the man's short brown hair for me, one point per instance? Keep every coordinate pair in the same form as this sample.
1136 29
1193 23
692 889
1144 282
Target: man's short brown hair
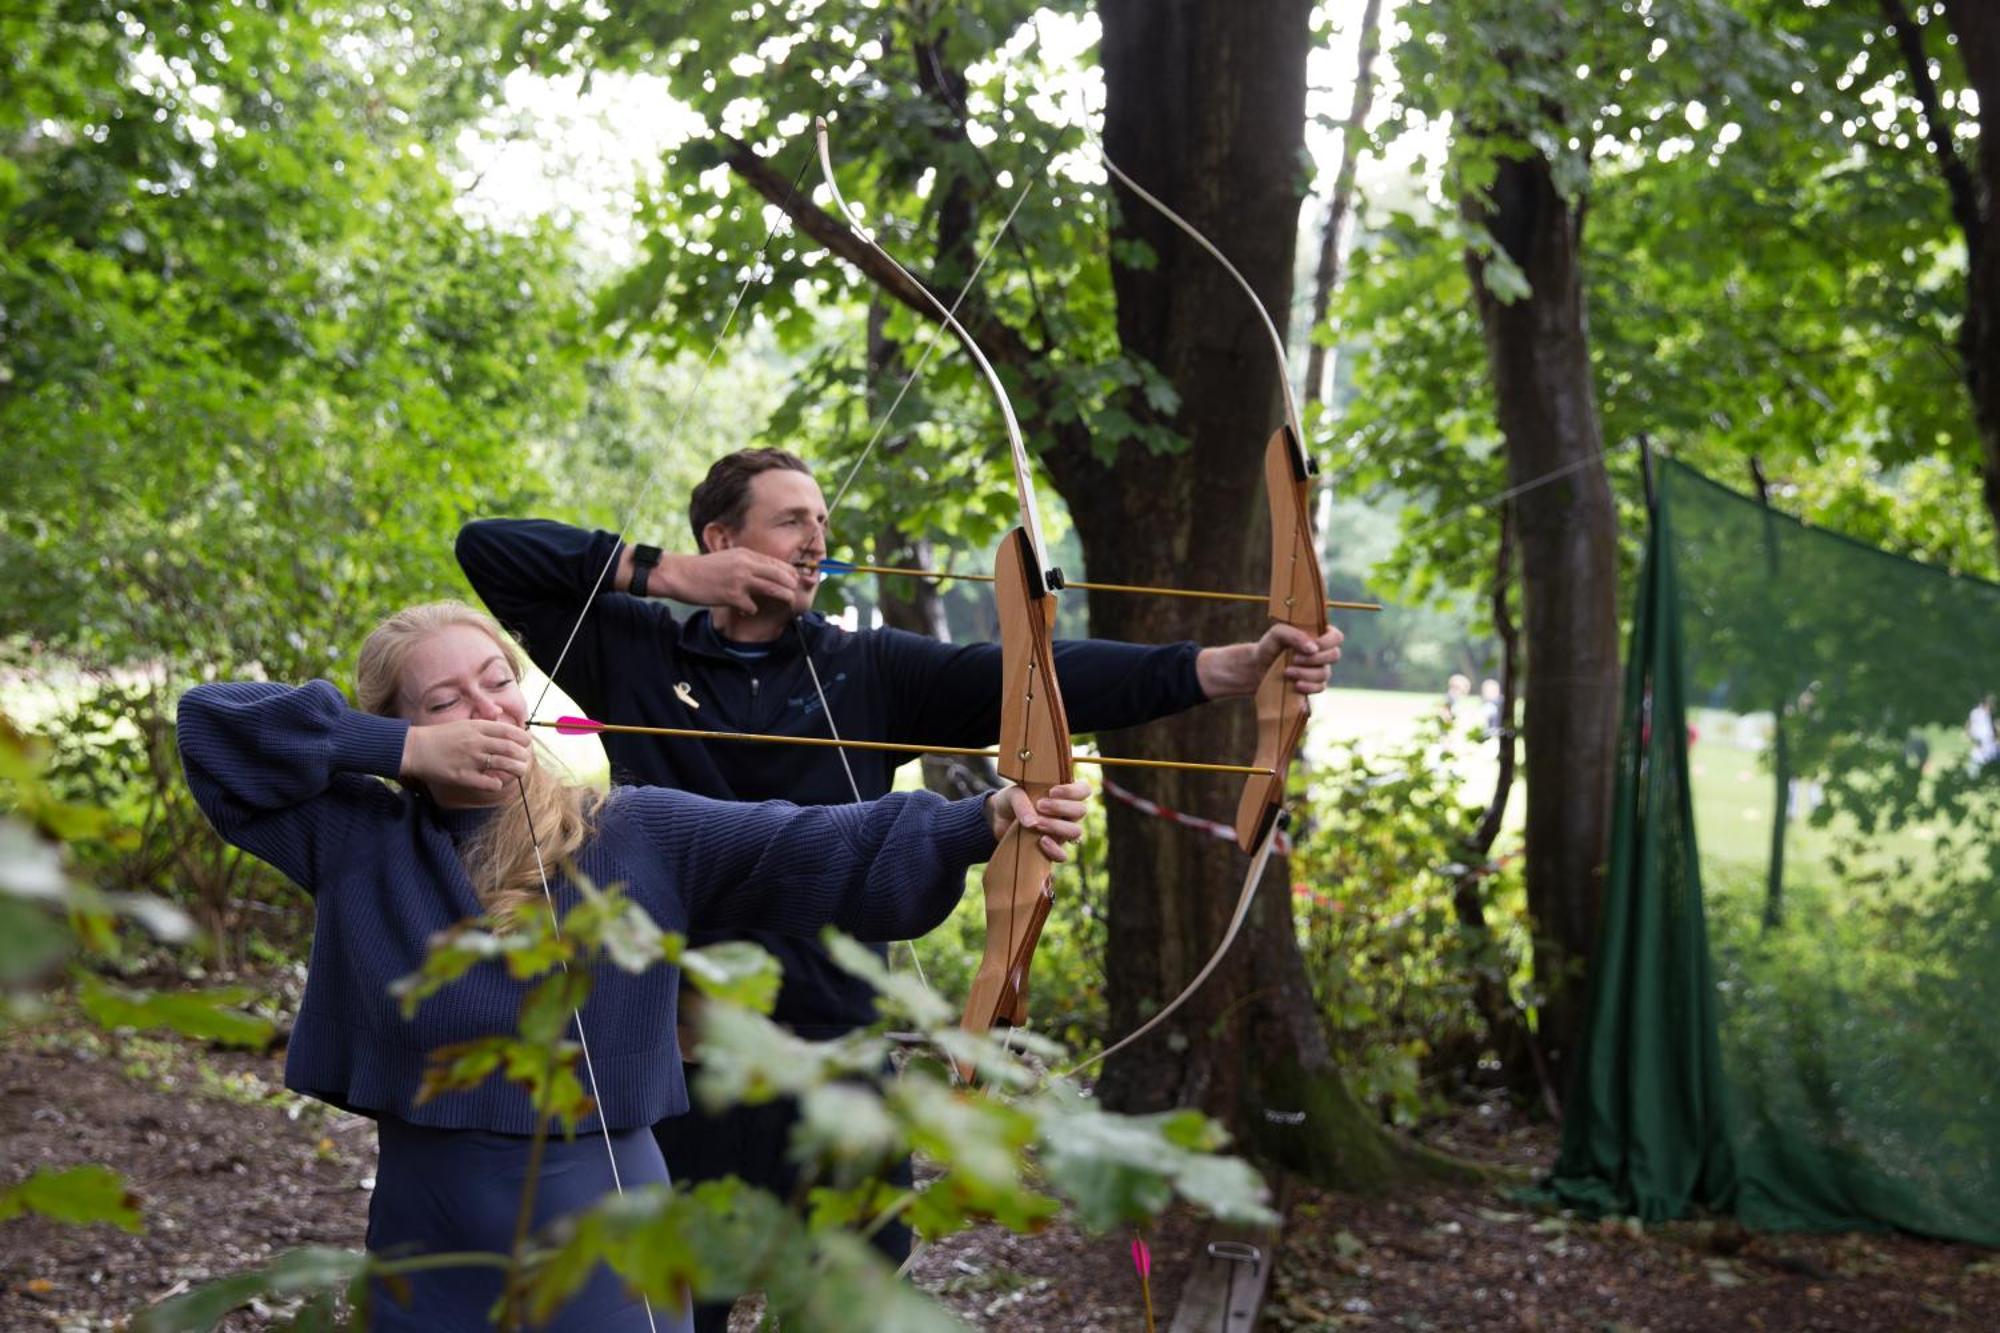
724 494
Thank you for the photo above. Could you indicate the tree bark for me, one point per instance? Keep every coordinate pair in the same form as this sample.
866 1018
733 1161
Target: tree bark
906 603
1522 1065
1782 701
1326 274
1538 352
1973 190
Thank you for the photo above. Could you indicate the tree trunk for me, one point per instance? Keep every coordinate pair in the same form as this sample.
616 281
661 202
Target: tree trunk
1206 107
1326 274
1974 192
1525 1071
1539 354
1781 711
905 603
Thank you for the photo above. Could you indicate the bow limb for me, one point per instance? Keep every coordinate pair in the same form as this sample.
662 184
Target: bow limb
1260 858
1034 730
1298 589
1297 597
1024 482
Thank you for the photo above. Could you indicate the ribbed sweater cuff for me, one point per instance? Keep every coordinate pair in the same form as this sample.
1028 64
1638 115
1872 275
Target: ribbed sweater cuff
963 833
365 743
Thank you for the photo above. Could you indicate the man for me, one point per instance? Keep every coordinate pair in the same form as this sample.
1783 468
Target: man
759 660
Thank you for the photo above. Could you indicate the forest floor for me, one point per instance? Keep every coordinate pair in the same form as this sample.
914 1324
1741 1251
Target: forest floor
229 1171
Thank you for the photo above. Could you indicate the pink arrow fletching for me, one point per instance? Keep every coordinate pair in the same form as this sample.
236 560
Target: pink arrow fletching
577 726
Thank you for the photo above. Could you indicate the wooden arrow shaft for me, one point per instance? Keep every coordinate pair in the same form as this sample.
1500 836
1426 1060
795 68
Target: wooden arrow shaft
1100 587
694 733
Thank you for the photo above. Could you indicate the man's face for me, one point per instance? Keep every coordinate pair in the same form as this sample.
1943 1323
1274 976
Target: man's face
786 519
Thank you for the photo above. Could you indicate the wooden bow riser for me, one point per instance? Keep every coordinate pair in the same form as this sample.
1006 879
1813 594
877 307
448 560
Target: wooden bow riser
1020 890
1034 753
1281 723
1298 597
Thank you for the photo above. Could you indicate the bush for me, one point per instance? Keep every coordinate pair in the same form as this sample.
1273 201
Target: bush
1394 963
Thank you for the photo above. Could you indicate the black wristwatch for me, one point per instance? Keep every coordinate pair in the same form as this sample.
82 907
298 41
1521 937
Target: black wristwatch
643 560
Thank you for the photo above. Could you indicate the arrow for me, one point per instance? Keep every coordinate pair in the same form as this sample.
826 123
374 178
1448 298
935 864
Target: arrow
838 567
584 726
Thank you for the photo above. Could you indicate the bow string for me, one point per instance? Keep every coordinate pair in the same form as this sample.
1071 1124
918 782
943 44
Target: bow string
1297 597
1034 743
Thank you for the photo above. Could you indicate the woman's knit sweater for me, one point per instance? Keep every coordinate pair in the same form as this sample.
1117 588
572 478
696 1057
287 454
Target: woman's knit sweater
293 777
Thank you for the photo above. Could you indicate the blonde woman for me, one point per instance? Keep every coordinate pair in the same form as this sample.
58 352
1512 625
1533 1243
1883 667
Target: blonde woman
291 775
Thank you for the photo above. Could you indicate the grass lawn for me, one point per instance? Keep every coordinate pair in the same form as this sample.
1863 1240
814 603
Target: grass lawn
1735 801
1382 722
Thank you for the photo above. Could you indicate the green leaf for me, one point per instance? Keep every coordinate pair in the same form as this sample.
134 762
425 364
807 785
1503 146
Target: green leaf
733 972
847 1126
462 1066
450 957
210 1015
1504 278
984 1139
905 993
304 1272
30 865
528 946
1123 1169
79 1195
547 1071
31 941
551 1005
745 1057
632 940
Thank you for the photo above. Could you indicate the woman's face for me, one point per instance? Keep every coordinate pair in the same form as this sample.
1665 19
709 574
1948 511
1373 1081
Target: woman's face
458 673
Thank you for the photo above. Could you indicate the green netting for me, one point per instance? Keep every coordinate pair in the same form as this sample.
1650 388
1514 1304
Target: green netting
1794 1001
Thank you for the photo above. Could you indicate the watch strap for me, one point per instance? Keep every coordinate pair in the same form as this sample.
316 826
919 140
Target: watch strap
644 558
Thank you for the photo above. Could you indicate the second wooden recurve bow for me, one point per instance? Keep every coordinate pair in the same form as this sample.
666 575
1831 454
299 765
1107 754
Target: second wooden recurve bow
1034 730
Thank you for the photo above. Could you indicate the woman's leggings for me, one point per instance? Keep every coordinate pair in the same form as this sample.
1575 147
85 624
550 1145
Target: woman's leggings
449 1190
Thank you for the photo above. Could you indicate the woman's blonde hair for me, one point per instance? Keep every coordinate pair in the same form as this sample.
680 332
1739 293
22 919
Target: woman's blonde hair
502 861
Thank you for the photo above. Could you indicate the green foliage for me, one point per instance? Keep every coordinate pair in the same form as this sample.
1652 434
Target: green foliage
44 911
45 915
212 1015
223 360
78 1196
1016 1152
1395 966
939 119
1422 422
1771 263
255 369
724 1238
316 1273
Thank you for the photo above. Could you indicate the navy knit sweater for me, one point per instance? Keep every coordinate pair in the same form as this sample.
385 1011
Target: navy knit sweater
291 776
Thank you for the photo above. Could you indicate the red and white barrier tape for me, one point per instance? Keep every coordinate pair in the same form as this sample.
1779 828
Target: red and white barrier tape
1208 826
